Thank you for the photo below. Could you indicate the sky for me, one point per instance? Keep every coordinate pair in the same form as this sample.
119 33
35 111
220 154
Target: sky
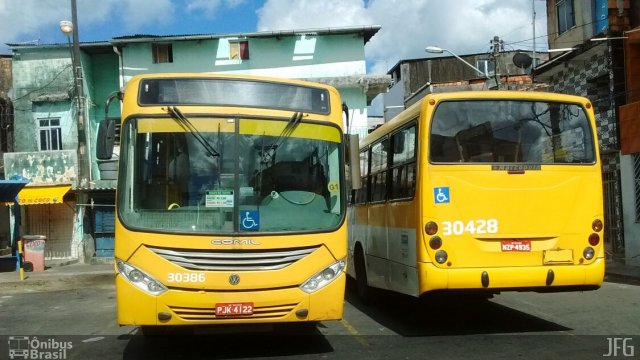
408 26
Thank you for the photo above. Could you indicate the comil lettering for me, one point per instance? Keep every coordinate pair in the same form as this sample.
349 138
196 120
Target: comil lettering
235 242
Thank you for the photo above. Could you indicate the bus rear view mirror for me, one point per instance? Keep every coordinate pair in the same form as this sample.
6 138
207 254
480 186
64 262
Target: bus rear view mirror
353 144
105 139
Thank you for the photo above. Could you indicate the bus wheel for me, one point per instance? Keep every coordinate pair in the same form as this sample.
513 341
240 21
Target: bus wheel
362 285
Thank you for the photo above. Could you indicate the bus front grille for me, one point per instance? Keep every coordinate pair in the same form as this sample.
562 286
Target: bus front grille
204 314
233 260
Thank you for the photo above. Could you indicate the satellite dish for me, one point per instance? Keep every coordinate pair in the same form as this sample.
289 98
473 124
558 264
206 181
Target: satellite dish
522 60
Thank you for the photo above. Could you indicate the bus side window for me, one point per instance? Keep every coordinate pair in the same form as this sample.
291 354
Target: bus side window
361 194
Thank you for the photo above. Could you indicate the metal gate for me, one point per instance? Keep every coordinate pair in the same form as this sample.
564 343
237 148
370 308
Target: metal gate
613 239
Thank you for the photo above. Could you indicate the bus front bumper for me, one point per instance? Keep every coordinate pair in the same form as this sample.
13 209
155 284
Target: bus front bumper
197 307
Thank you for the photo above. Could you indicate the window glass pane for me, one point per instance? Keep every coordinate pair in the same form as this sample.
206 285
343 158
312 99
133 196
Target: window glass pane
404 145
511 131
379 186
54 122
44 143
364 163
379 156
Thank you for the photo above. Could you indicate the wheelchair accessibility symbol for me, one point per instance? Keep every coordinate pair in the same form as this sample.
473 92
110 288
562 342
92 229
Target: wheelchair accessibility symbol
250 220
441 195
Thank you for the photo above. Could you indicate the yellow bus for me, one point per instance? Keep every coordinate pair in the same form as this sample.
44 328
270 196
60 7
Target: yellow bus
481 192
231 201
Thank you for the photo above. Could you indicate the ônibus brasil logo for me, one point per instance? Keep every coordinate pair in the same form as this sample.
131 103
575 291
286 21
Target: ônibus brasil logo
26 347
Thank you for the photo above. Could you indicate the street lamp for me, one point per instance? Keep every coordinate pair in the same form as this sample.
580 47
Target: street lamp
490 83
437 50
66 27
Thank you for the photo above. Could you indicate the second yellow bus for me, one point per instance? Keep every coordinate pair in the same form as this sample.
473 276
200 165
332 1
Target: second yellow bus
485 191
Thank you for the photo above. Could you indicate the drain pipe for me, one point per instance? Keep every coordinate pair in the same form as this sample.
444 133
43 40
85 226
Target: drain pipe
120 66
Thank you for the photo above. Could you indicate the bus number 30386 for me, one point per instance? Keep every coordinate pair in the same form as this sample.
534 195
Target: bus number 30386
186 277
479 226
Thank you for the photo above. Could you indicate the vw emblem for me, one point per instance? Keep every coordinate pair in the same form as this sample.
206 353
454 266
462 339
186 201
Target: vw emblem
234 279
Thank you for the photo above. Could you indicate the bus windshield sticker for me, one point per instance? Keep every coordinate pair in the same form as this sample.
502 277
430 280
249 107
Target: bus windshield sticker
250 220
441 195
246 191
219 198
333 186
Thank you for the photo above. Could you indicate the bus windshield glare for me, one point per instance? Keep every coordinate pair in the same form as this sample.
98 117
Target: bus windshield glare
264 176
511 131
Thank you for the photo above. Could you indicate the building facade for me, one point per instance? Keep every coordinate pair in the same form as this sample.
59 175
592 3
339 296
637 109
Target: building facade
412 79
44 94
592 37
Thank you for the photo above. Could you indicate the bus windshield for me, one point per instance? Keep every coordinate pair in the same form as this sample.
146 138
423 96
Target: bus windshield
511 131
264 176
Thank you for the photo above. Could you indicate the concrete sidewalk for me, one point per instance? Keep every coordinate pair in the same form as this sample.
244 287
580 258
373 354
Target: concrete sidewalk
66 276
621 273
63 277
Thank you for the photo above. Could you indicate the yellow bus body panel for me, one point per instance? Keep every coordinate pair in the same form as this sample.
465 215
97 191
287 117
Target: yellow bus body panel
268 290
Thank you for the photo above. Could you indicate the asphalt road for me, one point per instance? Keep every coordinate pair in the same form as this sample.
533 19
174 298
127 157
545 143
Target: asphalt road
510 326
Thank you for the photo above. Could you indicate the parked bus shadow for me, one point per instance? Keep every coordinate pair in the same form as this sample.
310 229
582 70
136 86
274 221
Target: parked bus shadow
227 343
446 314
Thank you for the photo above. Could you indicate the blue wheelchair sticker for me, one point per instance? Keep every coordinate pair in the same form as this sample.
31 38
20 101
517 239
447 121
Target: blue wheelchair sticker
441 195
249 220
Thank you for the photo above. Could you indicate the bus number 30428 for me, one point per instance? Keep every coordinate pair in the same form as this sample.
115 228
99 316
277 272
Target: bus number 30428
480 226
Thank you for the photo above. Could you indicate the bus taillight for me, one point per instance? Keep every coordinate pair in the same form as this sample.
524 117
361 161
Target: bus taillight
596 225
431 228
435 242
594 239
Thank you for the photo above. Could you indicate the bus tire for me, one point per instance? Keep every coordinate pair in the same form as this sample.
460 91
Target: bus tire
362 286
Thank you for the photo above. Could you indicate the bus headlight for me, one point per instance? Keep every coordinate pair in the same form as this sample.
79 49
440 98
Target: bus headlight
139 278
324 277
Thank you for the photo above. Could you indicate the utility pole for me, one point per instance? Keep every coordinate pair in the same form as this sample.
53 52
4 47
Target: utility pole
83 160
497 46
533 62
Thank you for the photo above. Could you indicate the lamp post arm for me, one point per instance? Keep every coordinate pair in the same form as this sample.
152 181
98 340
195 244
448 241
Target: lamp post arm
464 61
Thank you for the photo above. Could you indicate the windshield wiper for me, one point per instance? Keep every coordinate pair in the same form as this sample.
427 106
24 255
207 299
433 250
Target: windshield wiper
288 129
186 124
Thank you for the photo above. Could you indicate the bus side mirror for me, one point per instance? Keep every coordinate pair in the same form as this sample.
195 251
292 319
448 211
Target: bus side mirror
353 148
105 140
